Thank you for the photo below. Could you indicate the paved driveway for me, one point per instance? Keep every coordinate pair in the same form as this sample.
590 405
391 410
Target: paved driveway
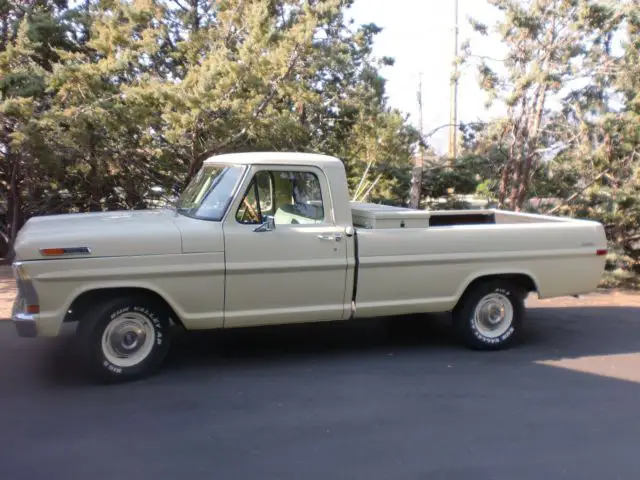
349 401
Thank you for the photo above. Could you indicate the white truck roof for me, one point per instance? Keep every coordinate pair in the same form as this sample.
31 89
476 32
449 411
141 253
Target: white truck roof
275 158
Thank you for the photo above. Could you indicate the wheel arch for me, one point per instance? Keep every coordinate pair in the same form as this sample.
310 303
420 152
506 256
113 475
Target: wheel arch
524 280
90 297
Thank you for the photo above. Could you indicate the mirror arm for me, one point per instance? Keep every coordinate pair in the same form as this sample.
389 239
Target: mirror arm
268 225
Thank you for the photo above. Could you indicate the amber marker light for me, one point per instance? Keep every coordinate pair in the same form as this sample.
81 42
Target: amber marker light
57 252
52 251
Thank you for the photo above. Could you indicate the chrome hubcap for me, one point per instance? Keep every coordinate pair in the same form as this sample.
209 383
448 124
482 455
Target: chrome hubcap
128 339
493 315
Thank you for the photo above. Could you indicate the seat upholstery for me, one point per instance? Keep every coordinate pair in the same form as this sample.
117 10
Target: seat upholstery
299 214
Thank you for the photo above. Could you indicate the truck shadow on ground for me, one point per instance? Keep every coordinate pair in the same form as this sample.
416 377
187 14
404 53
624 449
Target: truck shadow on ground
551 334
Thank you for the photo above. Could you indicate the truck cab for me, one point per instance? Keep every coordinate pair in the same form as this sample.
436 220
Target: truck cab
288 240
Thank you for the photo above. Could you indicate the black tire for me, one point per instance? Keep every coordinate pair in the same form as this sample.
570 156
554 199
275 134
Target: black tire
471 333
91 328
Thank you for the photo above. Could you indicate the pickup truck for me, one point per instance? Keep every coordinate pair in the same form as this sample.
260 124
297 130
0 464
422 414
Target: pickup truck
273 238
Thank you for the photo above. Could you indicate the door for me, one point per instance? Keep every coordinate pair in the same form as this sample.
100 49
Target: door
295 271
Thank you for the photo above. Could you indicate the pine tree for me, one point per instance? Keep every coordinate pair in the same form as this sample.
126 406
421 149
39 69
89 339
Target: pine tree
550 43
104 99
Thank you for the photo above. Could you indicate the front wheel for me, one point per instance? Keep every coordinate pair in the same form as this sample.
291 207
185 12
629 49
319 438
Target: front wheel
490 315
125 339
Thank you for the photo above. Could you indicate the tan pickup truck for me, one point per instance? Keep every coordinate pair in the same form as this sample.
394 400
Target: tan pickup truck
273 238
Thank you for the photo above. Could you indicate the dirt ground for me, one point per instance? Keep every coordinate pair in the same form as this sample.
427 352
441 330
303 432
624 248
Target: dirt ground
7 292
601 298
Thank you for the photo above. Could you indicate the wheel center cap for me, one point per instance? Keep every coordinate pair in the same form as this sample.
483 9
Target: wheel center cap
495 314
129 339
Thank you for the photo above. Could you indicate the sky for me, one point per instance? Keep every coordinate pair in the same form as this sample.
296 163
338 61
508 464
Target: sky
419 35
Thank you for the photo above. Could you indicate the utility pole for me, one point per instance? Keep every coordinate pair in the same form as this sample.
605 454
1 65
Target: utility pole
418 163
421 138
421 111
453 117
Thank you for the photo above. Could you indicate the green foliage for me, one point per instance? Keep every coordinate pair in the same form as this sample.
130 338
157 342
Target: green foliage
550 43
582 158
102 100
461 178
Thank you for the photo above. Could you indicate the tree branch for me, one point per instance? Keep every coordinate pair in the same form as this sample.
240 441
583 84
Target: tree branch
486 57
633 238
185 9
578 193
227 37
446 125
364 176
195 165
372 186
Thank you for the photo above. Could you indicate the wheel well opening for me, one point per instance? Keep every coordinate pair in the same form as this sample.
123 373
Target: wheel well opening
87 300
521 280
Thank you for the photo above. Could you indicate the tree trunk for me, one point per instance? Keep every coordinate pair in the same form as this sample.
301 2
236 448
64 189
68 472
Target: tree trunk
517 178
533 135
506 174
194 166
13 203
504 184
523 186
195 15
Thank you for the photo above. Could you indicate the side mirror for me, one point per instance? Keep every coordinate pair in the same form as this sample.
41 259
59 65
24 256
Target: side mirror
268 226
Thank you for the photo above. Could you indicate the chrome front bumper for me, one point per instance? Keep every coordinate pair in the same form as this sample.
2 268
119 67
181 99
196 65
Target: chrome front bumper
25 324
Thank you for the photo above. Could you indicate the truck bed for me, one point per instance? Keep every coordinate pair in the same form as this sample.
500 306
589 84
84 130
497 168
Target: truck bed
408 261
374 216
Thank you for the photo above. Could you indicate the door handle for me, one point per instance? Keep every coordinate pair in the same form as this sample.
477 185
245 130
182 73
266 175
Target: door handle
330 237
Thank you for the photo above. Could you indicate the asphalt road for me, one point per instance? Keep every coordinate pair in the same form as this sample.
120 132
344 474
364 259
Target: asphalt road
348 401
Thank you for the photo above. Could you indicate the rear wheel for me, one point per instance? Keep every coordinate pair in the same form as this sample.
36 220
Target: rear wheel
125 339
490 315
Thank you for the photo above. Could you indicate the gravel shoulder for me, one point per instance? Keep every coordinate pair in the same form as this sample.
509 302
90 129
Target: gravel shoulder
7 292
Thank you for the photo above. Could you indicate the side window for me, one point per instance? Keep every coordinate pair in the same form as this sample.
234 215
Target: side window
291 197
265 192
258 199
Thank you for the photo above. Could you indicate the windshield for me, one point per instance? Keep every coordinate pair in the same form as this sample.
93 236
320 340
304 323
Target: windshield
209 192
